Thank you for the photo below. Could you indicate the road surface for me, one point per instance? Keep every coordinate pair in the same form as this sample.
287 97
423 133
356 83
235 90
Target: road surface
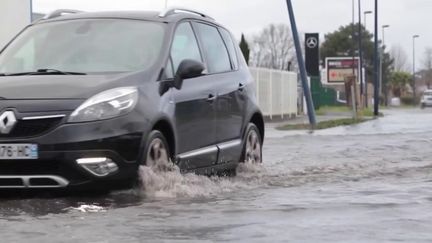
366 183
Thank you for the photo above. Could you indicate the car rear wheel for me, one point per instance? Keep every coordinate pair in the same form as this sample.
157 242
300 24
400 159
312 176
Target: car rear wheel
157 154
252 148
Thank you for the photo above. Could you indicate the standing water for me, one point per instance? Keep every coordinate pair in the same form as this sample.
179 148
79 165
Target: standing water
366 183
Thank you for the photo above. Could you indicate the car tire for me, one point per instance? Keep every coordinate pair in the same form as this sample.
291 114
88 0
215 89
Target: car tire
252 145
422 106
157 152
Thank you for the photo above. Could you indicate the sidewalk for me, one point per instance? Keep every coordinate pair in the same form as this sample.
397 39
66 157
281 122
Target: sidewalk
303 119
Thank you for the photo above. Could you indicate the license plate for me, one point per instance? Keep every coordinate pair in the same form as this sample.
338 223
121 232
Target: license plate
18 151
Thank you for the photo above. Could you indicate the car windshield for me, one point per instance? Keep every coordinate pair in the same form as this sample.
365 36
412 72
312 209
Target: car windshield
87 46
428 93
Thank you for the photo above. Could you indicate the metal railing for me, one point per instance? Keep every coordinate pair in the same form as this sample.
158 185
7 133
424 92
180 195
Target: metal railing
277 92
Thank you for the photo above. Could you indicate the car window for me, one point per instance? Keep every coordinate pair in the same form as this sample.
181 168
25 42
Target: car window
214 48
231 47
85 45
169 72
184 46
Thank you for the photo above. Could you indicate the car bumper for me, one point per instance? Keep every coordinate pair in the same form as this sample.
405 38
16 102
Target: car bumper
118 140
426 102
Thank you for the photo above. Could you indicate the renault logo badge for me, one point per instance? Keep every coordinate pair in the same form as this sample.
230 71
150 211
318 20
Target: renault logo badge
7 122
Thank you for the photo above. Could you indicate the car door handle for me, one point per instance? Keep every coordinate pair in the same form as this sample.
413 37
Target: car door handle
211 98
241 87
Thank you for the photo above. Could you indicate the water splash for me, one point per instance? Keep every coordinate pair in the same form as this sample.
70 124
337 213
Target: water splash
170 183
89 209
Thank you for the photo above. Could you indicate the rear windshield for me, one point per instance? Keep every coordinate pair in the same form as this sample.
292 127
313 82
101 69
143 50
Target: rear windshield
86 45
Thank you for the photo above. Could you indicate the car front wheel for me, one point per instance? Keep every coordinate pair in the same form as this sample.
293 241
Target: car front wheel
252 148
157 155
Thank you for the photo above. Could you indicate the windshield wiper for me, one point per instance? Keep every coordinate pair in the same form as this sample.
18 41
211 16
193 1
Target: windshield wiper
46 71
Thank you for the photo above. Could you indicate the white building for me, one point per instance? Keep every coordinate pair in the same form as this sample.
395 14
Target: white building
14 16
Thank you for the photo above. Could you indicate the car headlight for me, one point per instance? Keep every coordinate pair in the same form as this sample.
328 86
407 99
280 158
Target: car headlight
106 105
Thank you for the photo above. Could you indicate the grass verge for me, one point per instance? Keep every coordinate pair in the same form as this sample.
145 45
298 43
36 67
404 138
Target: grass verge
323 124
332 109
366 112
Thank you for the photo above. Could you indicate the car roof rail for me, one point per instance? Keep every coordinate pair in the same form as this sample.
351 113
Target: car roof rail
171 11
60 12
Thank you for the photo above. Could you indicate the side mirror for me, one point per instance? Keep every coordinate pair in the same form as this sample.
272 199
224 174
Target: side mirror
187 69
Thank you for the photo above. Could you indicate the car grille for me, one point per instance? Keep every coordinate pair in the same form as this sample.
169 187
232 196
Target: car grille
32 128
40 167
28 167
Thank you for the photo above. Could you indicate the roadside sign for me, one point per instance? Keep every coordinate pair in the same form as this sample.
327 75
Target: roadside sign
312 54
339 68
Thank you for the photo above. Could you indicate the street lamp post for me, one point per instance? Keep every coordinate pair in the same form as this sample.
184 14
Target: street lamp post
376 66
414 69
383 32
381 63
365 15
362 63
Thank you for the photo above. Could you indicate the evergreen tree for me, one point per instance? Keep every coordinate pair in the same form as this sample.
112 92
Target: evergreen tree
244 46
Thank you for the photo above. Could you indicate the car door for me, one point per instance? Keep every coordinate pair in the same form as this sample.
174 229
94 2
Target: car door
194 106
229 86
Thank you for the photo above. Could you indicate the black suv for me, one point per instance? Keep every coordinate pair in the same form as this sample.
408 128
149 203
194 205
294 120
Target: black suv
85 98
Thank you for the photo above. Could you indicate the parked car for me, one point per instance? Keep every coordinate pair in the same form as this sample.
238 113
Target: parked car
86 98
426 99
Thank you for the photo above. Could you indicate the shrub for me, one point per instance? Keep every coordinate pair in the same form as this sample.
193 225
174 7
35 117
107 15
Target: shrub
409 100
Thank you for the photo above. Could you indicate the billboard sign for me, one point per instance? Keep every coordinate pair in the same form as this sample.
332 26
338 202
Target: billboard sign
338 68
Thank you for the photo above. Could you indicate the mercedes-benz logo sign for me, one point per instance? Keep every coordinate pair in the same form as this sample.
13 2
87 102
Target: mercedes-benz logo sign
312 42
7 122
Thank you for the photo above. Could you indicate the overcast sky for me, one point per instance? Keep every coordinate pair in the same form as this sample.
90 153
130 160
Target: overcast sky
405 17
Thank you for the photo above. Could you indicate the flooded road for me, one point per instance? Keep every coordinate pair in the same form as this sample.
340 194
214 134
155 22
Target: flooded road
367 183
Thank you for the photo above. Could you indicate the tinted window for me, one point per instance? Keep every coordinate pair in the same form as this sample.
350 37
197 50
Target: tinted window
184 45
231 47
90 45
214 48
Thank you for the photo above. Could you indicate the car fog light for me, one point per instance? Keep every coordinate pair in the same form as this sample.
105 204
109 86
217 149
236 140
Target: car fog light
98 166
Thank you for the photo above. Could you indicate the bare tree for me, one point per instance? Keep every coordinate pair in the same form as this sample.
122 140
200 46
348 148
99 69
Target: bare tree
274 48
400 57
427 67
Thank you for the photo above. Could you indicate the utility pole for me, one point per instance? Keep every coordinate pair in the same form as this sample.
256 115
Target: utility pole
414 69
302 67
366 80
360 49
376 66
166 4
353 87
381 64
353 33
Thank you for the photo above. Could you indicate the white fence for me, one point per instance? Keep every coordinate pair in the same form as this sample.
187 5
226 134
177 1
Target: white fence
276 92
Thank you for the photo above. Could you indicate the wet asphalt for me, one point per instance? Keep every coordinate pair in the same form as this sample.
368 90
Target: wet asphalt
365 183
